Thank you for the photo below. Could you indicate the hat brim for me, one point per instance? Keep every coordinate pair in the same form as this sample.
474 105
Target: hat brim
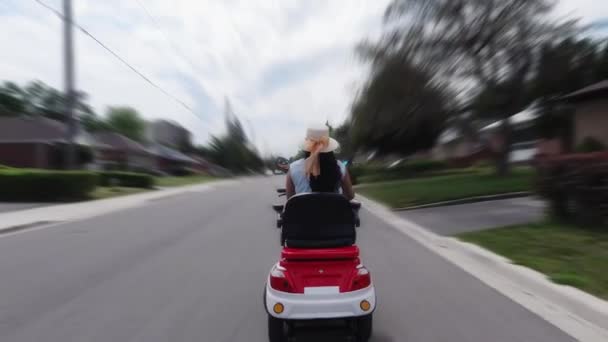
331 146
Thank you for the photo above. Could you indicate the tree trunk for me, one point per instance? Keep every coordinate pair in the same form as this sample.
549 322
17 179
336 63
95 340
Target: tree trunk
503 167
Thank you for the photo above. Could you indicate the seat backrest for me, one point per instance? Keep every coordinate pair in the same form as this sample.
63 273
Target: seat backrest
318 220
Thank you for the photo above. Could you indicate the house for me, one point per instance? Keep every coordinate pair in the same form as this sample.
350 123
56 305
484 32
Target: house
171 161
524 136
39 142
168 133
591 112
452 145
122 153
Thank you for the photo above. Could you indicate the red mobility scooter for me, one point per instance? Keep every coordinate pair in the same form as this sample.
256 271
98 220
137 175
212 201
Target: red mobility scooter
319 275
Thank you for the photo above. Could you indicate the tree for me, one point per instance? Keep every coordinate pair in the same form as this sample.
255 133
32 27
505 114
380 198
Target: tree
400 110
233 150
476 45
93 123
38 99
343 134
126 121
11 100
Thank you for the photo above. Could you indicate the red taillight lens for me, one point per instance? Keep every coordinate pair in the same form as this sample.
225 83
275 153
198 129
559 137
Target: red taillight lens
278 280
361 280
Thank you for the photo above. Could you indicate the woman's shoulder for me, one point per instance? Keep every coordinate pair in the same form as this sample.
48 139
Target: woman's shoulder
296 166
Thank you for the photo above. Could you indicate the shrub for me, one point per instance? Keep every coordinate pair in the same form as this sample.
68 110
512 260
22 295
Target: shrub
42 185
576 187
126 179
421 166
590 144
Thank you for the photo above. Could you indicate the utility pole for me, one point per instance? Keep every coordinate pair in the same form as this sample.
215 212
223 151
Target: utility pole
68 54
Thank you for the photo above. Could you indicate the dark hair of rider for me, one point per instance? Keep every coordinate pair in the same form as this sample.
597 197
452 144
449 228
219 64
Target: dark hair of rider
329 179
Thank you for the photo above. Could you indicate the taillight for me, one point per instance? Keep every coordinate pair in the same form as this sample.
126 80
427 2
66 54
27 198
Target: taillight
361 280
278 280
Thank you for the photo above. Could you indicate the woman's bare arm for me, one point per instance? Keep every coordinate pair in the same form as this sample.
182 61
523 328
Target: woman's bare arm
290 189
347 187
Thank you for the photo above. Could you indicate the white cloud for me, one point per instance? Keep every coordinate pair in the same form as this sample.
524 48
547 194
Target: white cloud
283 63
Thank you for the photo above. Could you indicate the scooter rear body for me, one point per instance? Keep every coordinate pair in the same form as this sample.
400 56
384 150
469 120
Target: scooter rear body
319 275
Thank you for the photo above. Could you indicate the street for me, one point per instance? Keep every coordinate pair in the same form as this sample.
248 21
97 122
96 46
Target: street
192 268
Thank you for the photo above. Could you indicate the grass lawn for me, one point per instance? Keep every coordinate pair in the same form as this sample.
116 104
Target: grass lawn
416 191
185 180
102 192
567 255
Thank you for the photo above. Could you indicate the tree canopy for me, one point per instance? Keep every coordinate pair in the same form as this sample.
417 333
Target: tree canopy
233 150
401 109
37 98
126 121
485 50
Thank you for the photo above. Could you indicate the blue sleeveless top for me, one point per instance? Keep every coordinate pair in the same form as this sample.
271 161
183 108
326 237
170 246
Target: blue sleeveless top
297 171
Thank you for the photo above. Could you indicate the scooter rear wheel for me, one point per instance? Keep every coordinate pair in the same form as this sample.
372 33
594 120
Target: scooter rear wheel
277 331
364 328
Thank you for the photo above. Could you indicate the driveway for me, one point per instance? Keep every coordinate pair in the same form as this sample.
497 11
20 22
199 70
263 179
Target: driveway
452 220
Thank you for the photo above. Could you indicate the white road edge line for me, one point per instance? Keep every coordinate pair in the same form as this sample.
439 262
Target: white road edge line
562 306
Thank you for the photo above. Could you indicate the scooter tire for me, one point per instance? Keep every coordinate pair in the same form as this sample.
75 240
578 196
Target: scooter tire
276 330
364 328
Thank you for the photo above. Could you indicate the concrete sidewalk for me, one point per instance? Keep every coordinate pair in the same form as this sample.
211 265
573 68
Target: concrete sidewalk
16 220
10 207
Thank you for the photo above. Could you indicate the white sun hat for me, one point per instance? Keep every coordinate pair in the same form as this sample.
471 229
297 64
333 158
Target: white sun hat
320 134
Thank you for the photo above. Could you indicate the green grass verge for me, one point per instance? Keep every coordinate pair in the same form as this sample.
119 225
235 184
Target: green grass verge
185 180
567 255
102 192
383 177
417 191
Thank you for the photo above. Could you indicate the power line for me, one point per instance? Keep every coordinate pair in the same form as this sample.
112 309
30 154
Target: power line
122 60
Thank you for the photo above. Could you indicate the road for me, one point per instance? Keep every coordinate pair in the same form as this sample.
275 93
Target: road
456 219
192 268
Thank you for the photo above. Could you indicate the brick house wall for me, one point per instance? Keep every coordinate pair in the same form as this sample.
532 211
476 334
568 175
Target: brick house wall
30 155
591 120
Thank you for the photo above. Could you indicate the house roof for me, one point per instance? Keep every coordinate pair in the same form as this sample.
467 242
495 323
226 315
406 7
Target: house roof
448 135
169 153
119 142
36 129
522 117
31 129
592 91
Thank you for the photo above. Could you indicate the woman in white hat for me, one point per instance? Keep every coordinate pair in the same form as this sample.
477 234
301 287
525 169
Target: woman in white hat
319 171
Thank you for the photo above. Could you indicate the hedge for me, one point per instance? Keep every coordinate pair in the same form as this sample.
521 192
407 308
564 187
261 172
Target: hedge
576 187
126 179
42 185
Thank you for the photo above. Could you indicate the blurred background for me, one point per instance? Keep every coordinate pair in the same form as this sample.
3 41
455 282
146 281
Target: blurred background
431 101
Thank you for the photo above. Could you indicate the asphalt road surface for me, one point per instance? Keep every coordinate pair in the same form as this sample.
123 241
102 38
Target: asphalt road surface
192 268
455 219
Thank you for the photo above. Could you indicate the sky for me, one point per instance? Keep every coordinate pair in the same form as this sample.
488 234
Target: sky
283 64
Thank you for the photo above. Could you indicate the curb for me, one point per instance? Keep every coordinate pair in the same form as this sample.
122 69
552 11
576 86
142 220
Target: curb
577 313
18 228
468 200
